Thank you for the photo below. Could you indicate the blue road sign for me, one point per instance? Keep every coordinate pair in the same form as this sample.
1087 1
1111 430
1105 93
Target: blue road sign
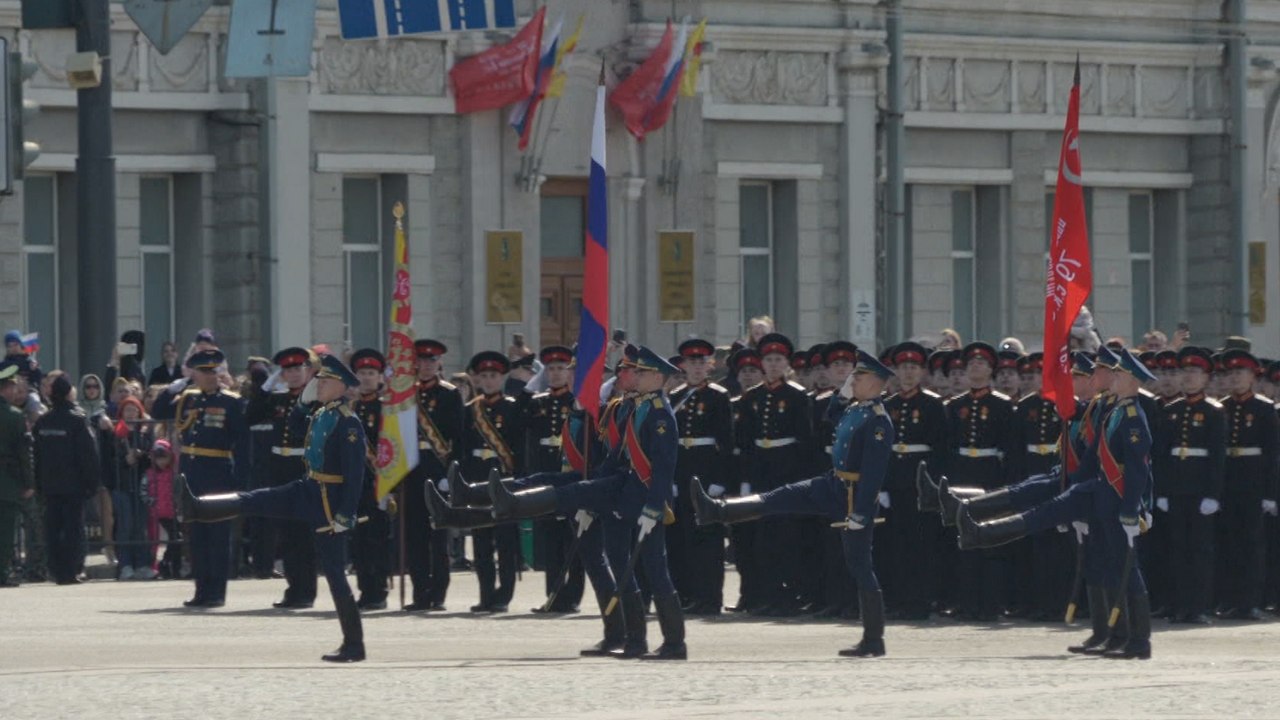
270 38
363 19
164 22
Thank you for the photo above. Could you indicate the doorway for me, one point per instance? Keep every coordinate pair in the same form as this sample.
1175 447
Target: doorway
564 233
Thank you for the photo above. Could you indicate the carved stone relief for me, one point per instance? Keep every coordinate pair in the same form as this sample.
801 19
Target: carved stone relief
1090 102
752 77
403 67
911 83
1164 92
1120 86
1211 102
50 48
1031 87
940 79
184 69
987 86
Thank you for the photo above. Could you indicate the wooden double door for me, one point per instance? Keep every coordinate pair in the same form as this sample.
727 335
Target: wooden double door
563 230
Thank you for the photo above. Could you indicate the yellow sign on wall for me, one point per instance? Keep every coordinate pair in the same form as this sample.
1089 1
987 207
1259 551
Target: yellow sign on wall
1257 283
504 279
675 276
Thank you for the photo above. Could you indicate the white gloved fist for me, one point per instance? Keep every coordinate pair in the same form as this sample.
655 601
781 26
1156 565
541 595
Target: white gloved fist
1131 529
675 490
853 523
846 390
1269 507
715 490
342 523
272 382
584 520
746 488
883 498
309 392
1082 529
1208 506
1162 504
443 485
178 385
647 524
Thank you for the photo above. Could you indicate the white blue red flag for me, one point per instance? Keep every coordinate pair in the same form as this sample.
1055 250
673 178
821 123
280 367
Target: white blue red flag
523 113
672 76
593 331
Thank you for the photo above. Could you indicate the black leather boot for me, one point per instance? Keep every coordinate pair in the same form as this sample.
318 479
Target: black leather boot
443 516
872 644
926 491
1138 646
950 500
709 510
461 494
636 643
532 503
671 621
615 630
352 649
975 535
1118 634
989 505
1098 609
209 508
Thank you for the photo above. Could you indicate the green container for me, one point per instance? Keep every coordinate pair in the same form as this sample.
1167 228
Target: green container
526 541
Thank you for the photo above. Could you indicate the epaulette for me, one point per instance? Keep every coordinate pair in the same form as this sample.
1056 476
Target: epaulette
796 386
189 391
879 410
826 394
718 388
657 402
446 385
539 396
752 389
229 393
1002 396
1146 393
930 393
1213 403
345 410
1131 411
679 389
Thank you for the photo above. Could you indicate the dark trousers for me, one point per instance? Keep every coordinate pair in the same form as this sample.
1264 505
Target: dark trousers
262 546
618 500
298 551
64 526
695 554
426 550
1243 554
911 572
743 537
210 542
557 535
505 541
825 496
1190 555
371 554
9 513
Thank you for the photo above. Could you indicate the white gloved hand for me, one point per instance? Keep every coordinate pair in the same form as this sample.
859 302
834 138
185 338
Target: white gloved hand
1063 528
1269 507
1082 529
1162 504
884 500
443 485
178 385
584 520
1208 506
647 524
852 523
846 390
272 382
715 490
675 490
342 523
1131 529
746 488
1148 519
309 392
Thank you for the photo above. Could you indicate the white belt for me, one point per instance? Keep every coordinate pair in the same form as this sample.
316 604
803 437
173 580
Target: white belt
1244 452
693 442
976 452
556 441
484 454
1043 449
767 443
903 448
288 452
1186 452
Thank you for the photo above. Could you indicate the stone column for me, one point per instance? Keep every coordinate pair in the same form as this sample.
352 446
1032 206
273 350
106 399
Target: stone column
289 181
1028 239
858 184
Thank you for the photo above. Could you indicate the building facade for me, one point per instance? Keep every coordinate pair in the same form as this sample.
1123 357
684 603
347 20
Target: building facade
263 208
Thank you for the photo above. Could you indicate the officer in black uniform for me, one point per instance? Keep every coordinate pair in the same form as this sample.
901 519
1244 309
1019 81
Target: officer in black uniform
747 371
493 438
271 403
1253 452
263 542
816 543
776 417
920 424
548 412
371 541
706 444
1193 438
440 414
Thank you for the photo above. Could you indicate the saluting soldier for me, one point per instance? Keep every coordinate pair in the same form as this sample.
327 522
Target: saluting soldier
493 439
1193 438
272 402
371 544
548 413
705 420
440 414
214 438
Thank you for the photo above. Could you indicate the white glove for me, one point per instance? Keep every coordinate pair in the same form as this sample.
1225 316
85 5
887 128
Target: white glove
1208 506
715 490
443 485
647 524
1082 529
1269 507
1149 519
746 488
584 520
309 392
1063 528
884 500
846 390
1162 504
272 381
341 524
853 522
177 385
675 491
1131 530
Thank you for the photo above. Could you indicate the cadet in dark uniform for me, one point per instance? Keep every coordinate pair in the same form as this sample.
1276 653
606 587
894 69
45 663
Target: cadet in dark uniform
214 437
749 373
548 413
1252 458
777 419
440 415
696 555
1007 379
920 429
326 499
493 439
847 494
272 403
263 543
821 558
1193 438
371 541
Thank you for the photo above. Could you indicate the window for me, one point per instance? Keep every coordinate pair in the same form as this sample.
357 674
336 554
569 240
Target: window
362 260
40 264
563 226
755 248
155 241
1141 240
964 280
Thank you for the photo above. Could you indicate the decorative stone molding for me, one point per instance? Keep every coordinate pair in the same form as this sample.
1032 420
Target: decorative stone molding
939 84
987 86
404 67
1031 84
770 78
1164 92
49 50
1120 86
184 69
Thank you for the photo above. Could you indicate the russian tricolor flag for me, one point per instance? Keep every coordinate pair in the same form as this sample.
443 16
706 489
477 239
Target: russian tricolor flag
594 328
522 114
670 88
31 343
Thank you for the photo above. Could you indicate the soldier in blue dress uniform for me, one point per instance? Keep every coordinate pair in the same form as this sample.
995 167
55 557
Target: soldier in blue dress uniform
326 499
214 441
848 494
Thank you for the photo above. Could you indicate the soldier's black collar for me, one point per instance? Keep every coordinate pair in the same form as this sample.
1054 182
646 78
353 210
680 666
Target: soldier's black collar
908 394
557 392
979 393
1193 399
429 383
1246 397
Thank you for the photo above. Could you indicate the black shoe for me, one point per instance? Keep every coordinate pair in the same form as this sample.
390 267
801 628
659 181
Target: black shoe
668 651
417 607
973 535
1090 643
194 602
444 516
1131 650
70 581
373 605
1112 644
348 652
703 608
497 608
288 604
436 607
482 608
531 503
866 648
604 648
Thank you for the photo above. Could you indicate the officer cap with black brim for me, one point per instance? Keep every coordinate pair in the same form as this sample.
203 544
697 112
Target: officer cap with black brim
1236 359
1196 357
980 350
427 348
331 367
368 358
775 344
556 354
868 363
647 359
840 351
1131 364
8 372
1107 358
293 357
207 360
696 347
489 360
1081 364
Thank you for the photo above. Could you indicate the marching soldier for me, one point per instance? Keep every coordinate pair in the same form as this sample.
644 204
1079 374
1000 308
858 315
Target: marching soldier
696 555
371 541
214 436
272 403
440 421
838 596
326 499
493 439
1193 438
548 413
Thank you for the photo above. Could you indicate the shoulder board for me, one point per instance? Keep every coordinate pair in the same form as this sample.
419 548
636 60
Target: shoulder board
473 401
931 394
879 410
751 390
1213 403
718 388
825 395
796 386
1000 395
1132 411
541 395
1146 394
657 402
230 394
189 391
682 388
446 385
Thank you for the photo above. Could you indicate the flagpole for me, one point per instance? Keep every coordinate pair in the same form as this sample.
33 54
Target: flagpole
403 507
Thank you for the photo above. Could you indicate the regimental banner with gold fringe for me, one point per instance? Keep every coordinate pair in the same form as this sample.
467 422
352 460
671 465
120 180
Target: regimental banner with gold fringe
398 439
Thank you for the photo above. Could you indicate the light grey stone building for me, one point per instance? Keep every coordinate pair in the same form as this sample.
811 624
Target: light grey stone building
262 208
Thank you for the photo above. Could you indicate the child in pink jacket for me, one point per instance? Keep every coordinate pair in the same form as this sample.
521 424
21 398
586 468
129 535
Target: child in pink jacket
160 488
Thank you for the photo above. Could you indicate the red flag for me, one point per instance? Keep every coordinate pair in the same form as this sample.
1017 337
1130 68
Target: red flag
636 96
1070 271
501 75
